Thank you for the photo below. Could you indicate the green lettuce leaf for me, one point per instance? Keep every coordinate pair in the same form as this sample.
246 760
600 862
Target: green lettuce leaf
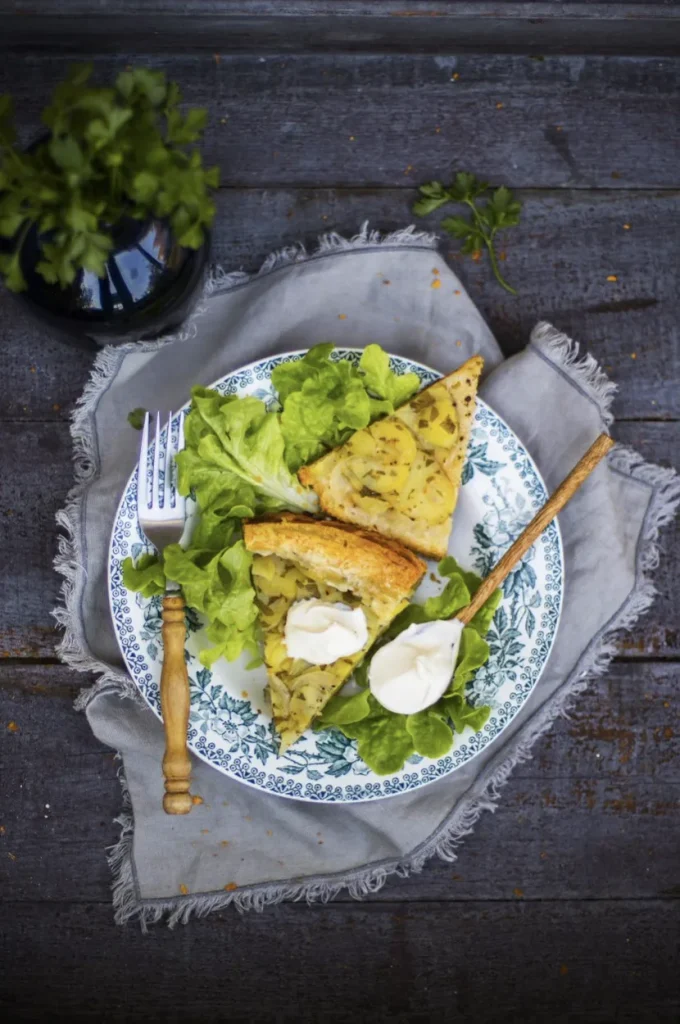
219 586
324 400
430 732
383 741
146 576
346 710
238 437
384 383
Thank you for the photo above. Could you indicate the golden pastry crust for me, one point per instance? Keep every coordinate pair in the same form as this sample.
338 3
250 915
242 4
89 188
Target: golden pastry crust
368 562
340 499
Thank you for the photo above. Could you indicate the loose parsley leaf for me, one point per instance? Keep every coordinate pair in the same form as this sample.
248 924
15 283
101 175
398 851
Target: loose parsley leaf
136 418
498 212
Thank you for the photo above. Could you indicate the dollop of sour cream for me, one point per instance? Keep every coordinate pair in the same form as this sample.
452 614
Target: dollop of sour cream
323 631
414 670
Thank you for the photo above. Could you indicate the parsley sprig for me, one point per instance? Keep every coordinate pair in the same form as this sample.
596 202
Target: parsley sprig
499 211
112 153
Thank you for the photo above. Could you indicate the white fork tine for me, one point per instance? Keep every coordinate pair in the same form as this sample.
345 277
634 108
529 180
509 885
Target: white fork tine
142 497
168 488
180 501
155 491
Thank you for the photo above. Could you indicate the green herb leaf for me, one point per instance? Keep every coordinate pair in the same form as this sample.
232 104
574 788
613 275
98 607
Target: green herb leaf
431 735
500 211
136 418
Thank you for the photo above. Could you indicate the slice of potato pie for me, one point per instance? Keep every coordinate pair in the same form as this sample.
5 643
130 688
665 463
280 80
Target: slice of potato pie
298 558
401 475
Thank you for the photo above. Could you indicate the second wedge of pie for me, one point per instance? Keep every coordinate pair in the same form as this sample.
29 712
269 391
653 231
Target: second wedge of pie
401 475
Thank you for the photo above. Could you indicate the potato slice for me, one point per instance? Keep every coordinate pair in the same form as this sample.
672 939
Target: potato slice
380 458
432 418
428 494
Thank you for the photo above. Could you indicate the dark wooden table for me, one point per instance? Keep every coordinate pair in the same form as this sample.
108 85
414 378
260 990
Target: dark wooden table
563 905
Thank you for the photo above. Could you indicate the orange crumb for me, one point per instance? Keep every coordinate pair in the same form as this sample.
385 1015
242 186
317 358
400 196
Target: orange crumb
12 727
612 277
205 831
56 407
223 120
247 818
558 127
477 255
626 227
457 878
183 889
33 369
324 216
436 284
615 174
386 281
437 130
459 343
197 800
216 58
435 270
455 76
342 316
231 886
544 855
408 169
633 355
244 693
564 969
12 856
518 892
225 842
352 138
499 106
2 830
457 291
502 255
666 704
269 832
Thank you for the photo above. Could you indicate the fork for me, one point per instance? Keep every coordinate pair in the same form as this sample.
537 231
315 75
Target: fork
162 517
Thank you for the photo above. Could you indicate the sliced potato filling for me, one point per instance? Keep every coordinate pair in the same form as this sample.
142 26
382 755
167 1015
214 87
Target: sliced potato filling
299 690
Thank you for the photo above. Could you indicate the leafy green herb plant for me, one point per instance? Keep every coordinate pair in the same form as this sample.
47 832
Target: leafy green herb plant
499 211
112 153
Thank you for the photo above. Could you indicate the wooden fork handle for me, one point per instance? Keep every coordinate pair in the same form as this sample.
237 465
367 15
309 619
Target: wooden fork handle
533 531
175 708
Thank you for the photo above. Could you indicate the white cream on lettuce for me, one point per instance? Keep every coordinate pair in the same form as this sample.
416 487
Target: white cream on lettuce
323 631
413 671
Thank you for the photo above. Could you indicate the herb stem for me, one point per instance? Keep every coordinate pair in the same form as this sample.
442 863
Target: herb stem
496 269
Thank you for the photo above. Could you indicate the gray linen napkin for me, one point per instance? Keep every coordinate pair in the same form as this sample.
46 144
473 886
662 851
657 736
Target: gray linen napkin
243 846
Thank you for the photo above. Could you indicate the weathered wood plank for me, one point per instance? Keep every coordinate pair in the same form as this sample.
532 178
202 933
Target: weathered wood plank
29 587
358 120
559 258
413 26
597 962
594 814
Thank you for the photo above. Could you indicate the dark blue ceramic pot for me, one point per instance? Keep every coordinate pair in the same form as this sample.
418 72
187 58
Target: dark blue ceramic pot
150 286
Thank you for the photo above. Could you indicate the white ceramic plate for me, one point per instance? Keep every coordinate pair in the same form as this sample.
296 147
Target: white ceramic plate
230 726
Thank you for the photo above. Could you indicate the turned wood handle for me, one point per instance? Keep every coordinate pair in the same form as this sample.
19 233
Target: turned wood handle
533 531
175 708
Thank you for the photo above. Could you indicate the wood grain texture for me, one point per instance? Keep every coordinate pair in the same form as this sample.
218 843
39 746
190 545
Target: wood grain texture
360 120
488 963
635 27
567 245
594 815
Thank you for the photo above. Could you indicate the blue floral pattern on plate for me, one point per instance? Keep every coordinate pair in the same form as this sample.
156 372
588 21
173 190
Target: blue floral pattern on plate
230 726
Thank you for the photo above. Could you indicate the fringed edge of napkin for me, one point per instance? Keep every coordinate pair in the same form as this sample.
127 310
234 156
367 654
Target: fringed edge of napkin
587 375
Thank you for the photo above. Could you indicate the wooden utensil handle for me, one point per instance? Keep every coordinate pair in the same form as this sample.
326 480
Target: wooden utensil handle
533 531
175 708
